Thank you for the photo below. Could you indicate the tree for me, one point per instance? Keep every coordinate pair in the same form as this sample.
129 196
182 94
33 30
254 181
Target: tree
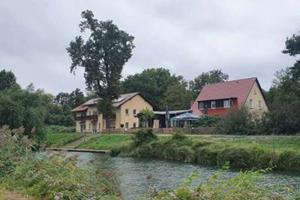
152 83
213 76
284 95
145 118
177 96
102 55
7 79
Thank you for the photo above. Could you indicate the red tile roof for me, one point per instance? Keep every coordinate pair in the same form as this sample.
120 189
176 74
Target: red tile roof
230 89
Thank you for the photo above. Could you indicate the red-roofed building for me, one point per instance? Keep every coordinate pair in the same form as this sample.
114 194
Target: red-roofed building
216 99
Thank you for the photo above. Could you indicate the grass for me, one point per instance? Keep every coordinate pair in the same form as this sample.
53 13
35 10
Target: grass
5 195
270 143
107 142
61 139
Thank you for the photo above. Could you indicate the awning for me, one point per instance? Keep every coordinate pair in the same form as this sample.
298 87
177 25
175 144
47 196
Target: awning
185 117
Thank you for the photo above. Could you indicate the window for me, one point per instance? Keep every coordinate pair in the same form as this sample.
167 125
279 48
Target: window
259 104
134 111
254 92
200 105
213 104
89 125
126 125
134 125
127 112
219 103
227 103
251 103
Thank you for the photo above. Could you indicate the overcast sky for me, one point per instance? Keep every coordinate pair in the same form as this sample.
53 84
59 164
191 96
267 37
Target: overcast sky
243 38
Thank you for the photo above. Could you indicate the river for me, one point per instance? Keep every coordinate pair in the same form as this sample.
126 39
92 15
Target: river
138 176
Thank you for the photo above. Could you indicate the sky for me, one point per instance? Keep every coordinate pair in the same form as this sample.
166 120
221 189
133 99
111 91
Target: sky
243 38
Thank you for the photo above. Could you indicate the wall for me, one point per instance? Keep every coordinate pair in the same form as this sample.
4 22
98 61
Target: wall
256 96
137 103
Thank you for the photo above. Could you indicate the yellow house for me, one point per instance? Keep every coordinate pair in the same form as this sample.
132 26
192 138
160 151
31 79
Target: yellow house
127 106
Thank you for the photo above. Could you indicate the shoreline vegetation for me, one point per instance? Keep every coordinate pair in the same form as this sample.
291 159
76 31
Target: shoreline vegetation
48 176
278 153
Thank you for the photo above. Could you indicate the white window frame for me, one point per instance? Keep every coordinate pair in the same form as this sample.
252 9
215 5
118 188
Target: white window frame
226 103
213 104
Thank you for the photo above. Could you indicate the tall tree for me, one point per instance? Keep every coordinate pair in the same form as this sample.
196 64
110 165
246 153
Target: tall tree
284 94
213 76
7 79
152 83
102 55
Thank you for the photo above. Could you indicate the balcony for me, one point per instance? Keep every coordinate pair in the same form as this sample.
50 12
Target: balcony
87 117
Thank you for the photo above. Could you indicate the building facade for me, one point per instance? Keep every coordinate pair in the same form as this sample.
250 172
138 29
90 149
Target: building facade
127 106
217 99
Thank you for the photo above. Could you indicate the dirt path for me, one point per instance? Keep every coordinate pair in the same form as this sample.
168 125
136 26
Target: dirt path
9 195
75 143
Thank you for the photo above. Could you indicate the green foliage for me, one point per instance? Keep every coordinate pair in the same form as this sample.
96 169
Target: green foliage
55 177
284 95
60 139
102 55
237 122
7 80
207 121
48 177
260 153
159 86
145 117
241 187
26 108
143 136
213 76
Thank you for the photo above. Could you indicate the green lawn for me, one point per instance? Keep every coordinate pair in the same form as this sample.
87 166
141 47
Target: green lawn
106 141
273 143
60 139
270 143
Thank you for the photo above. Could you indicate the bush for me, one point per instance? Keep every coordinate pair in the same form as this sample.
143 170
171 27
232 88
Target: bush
207 121
55 177
207 155
237 122
289 160
143 136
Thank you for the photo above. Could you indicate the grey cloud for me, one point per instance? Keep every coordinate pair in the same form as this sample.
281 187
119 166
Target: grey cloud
244 38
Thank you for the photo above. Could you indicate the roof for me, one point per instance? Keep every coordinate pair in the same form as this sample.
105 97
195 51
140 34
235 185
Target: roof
116 103
185 117
239 89
171 112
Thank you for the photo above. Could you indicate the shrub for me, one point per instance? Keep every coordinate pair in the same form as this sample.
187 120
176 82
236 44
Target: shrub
207 155
289 160
207 121
57 178
237 122
143 136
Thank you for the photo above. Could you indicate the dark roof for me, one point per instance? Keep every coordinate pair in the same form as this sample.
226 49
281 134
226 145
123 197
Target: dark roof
116 103
171 112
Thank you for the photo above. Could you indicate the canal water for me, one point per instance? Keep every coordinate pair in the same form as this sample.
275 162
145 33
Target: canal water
137 177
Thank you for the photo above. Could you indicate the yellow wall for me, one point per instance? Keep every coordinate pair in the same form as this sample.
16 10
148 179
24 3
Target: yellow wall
138 103
255 101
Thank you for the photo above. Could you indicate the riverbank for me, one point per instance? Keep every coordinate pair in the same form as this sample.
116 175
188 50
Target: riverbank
280 153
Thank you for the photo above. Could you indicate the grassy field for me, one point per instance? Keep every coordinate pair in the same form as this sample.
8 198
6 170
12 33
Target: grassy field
106 141
61 139
270 143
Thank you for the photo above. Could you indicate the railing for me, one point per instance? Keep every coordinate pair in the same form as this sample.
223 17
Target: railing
87 117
